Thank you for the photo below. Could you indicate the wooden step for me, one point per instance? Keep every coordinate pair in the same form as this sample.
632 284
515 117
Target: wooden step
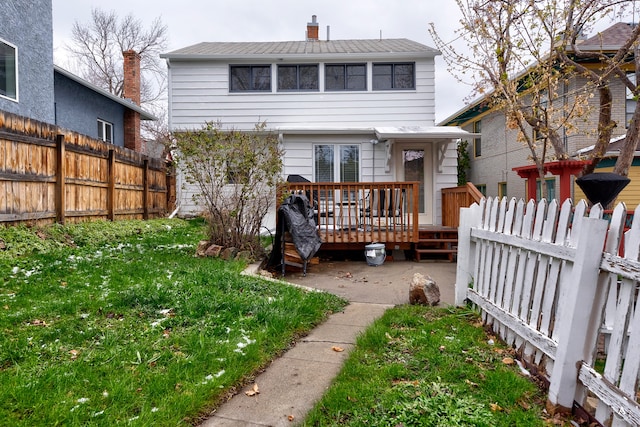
437 240
449 251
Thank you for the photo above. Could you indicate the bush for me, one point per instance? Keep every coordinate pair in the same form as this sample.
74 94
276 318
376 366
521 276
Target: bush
237 173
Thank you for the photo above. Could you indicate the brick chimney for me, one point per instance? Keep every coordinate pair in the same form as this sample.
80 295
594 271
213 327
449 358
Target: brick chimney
131 91
312 29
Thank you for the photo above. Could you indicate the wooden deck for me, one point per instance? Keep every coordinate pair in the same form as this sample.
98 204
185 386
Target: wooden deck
350 216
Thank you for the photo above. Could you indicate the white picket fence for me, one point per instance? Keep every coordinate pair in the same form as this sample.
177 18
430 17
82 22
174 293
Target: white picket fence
551 283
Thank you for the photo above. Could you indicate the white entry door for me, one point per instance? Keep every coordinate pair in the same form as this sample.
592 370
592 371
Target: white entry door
415 163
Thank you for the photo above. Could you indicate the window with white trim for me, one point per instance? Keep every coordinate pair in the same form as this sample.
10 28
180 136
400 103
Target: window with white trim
336 163
630 104
105 131
8 70
477 141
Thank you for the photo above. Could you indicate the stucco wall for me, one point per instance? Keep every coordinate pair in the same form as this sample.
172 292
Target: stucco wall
28 26
79 108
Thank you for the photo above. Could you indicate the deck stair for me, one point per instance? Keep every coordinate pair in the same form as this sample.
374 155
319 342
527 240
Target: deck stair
435 241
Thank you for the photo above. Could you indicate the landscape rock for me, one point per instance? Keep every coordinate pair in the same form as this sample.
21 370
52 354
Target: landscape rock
228 253
213 251
203 245
244 256
423 290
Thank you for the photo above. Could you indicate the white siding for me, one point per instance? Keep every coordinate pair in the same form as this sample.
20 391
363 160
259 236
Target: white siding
199 92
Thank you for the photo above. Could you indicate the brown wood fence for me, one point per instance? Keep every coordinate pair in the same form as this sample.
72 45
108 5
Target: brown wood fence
455 198
51 174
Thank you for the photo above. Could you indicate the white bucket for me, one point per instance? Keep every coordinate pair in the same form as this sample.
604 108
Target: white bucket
375 253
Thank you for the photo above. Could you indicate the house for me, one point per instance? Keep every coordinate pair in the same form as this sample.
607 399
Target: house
32 86
495 153
346 111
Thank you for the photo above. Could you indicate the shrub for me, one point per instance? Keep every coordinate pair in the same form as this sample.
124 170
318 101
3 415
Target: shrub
237 173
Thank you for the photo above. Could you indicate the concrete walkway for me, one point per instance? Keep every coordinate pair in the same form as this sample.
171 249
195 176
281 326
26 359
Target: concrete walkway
293 383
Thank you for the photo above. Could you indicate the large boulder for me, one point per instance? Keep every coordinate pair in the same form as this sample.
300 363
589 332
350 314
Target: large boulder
423 290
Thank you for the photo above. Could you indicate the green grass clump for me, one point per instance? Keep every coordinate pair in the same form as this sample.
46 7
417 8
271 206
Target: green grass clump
119 323
425 366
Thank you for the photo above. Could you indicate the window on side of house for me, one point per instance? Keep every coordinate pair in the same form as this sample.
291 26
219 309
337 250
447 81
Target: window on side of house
550 184
502 189
8 70
482 188
105 131
630 103
250 78
298 77
394 76
345 77
477 142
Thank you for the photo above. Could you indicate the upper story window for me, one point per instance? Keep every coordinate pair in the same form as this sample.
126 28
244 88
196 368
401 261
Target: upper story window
394 76
105 131
630 104
298 77
250 78
8 70
477 141
345 77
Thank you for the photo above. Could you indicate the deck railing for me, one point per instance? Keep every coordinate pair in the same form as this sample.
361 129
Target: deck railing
455 198
363 212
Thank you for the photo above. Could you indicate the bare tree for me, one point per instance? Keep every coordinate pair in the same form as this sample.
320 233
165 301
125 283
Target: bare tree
523 54
98 47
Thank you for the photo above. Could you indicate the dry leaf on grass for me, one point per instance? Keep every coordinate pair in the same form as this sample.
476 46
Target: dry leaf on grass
495 407
254 390
337 349
508 361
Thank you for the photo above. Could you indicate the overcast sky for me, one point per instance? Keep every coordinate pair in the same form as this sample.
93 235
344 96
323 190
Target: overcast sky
194 21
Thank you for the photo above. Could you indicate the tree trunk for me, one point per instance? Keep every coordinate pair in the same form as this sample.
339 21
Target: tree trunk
605 129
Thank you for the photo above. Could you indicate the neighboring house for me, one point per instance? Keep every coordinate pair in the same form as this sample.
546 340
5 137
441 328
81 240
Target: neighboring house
32 86
345 110
496 152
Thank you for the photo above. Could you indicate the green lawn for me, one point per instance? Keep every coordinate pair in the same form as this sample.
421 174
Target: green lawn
118 323
426 366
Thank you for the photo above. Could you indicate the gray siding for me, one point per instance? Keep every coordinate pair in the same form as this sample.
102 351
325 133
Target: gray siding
28 25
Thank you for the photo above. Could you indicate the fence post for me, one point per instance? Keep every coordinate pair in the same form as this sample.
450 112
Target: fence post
60 180
111 185
469 217
577 310
145 189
